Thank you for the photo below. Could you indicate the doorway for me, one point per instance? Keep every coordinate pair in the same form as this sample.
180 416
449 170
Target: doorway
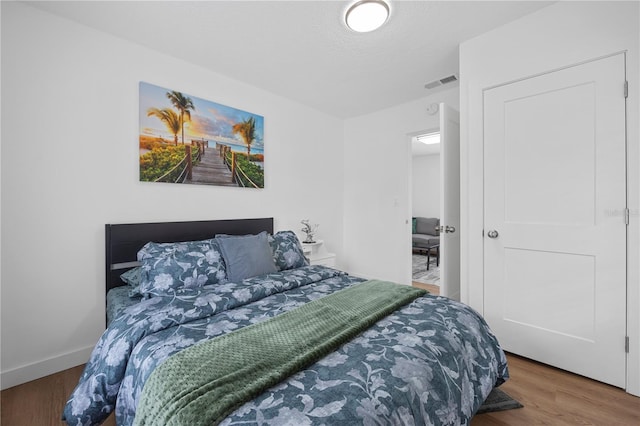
437 233
426 194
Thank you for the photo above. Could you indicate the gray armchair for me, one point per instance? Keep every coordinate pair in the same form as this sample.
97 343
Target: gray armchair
426 233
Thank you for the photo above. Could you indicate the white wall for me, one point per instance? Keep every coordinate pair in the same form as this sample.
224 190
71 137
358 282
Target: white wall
378 184
563 34
70 165
426 185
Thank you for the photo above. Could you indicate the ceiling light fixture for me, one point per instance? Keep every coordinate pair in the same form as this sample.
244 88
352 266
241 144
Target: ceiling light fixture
367 15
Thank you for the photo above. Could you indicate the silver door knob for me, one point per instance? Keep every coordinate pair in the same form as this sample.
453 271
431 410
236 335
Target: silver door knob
492 234
446 229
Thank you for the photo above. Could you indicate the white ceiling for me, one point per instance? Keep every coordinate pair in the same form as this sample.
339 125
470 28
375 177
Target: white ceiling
301 49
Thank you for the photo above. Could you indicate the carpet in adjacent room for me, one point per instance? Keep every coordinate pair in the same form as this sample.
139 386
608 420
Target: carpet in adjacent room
419 270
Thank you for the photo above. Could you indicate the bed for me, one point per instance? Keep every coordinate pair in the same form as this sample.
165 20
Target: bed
198 335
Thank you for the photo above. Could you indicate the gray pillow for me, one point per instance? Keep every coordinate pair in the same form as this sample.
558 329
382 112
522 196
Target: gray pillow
246 256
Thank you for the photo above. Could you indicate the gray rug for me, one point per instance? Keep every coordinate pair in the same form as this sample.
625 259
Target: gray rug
420 273
498 401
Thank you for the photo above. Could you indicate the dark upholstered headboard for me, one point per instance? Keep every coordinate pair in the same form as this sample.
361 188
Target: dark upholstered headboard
124 240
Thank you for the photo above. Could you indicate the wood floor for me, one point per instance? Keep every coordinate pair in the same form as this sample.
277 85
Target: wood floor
550 397
40 402
555 397
433 289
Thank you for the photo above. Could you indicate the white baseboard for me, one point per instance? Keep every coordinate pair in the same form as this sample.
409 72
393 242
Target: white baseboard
37 370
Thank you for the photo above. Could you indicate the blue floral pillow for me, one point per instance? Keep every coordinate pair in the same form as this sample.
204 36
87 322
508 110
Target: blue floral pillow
170 266
287 251
133 277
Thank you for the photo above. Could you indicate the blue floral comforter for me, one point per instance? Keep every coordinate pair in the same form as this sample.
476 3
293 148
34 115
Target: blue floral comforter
433 361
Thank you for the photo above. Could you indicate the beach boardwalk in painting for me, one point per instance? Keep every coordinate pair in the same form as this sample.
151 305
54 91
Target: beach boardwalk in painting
185 139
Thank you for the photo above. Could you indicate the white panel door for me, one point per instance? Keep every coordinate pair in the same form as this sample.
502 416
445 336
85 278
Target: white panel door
449 202
554 231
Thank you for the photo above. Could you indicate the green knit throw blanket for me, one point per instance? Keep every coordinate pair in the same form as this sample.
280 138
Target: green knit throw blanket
203 384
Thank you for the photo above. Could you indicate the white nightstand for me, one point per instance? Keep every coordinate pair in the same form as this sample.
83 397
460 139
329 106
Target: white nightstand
318 254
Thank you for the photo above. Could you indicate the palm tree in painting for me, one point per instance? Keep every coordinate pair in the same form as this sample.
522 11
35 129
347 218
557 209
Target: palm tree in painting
183 104
169 118
247 131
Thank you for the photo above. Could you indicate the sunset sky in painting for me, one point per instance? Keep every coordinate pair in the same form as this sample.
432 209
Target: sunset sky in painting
209 120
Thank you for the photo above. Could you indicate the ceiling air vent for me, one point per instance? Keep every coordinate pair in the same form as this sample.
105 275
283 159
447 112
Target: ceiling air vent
445 80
